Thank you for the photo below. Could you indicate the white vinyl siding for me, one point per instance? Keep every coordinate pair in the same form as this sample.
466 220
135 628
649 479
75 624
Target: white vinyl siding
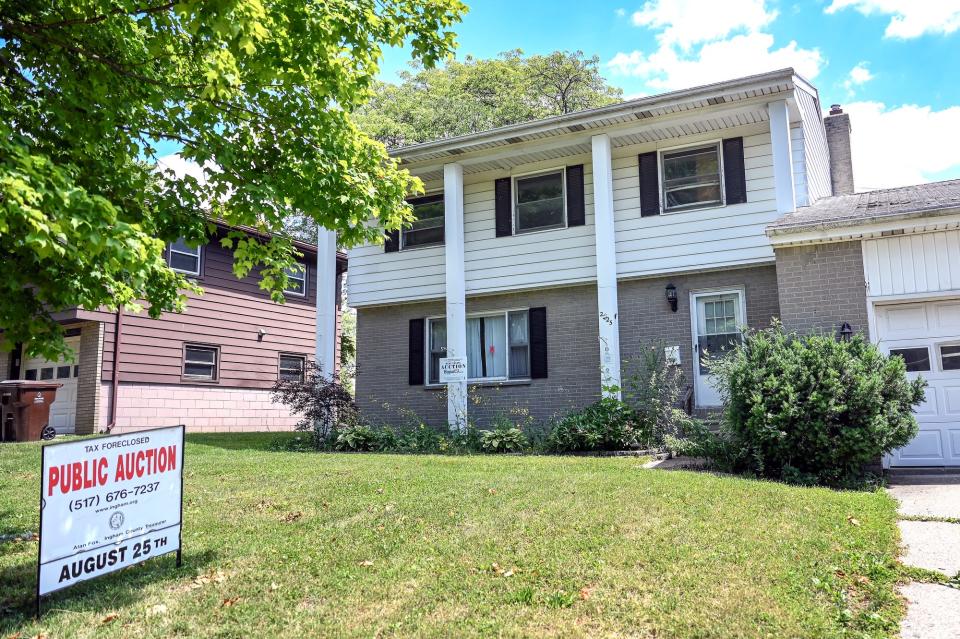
799 165
816 157
910 264
706 238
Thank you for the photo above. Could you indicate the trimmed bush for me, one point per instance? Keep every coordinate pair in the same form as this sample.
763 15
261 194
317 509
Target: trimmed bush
812 409
503 438
608 424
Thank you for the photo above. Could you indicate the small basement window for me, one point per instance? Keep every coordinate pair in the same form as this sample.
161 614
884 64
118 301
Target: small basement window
540 202
950 357
292 367
201 362
184 259
428 226
916 359
691 178
296 280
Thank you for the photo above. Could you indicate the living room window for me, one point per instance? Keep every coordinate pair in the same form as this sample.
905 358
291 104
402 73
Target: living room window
201 362
427 228
691 178
498 346
540 202
184 259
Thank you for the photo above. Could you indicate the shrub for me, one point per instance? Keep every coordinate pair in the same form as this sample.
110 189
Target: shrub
504 437
608 424
323 404
814 408
653 386
359 437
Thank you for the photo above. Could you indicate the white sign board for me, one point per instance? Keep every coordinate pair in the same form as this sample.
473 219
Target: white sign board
107 503
453 369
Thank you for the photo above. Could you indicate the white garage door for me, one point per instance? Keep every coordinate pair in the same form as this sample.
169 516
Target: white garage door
63 411
927 336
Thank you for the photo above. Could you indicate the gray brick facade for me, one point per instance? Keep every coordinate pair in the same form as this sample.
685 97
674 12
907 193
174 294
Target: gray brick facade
573 360
90 359
572 335
837 127
822 286
646 318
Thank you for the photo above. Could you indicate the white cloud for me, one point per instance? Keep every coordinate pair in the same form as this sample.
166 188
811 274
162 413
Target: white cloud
908 18
668 69
621 12
858 76
181 166
688 22
901 145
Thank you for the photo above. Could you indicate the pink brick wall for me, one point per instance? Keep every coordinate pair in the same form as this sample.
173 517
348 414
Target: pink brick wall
201 409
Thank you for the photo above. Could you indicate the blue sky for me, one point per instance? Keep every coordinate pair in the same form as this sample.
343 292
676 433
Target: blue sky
893 64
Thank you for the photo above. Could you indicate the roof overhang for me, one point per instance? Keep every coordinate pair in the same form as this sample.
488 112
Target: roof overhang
650 119
919 221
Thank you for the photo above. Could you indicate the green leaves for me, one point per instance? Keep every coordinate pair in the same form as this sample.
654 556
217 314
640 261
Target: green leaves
259 94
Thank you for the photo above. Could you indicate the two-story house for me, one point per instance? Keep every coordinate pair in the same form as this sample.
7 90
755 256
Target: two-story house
210 367
547 253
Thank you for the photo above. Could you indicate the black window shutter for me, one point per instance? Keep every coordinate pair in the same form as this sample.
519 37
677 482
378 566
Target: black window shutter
576 215
392 243
538 342
734 176
503 198
649 184
415 365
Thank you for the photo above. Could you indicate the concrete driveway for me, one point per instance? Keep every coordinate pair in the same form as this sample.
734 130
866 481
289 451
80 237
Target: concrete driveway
930 532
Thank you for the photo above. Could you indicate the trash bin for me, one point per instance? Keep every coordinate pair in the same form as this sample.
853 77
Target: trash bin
25 410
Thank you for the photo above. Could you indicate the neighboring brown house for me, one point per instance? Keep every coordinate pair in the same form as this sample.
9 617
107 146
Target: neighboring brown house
210 367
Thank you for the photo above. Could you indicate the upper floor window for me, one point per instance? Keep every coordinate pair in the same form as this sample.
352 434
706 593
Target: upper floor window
296 280
292 367
184 259
201 362
540 203
427 228
498 346
691 178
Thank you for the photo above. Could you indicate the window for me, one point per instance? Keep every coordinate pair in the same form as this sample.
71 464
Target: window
31 375
916 359
718 326
498 346
46 373
76 370
184 259
427 228
950 357
200 362
540 202
63 372
296 280
691 178
292 367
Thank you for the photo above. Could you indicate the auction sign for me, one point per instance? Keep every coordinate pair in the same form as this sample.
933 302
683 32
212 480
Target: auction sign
107 503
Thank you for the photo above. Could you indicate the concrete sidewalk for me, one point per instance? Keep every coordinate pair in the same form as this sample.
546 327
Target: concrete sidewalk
933 610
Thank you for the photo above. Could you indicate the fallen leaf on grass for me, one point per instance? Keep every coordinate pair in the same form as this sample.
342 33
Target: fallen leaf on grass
585 592
500 572
274 585
492 491
853 521
112 616
366 563
379 491
159 609
39 636
229 601
264 505
291 517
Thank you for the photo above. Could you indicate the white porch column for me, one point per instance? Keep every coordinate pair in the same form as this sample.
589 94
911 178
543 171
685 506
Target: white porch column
326 351
456 290
782 157
606 265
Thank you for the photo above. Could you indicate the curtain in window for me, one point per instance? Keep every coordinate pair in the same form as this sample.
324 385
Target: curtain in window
519 345
474 349
495 346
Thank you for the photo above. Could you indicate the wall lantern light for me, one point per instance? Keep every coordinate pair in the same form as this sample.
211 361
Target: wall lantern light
672 297
846 332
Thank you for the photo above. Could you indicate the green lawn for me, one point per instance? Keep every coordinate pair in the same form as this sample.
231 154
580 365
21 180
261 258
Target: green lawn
309 545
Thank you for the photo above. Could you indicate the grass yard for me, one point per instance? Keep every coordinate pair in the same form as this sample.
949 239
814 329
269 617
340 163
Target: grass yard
299 544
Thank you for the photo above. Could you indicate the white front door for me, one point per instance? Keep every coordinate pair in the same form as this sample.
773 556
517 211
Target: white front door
927 336
717 317
63 411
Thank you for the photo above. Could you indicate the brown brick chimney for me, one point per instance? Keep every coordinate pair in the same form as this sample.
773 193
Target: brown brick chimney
838 129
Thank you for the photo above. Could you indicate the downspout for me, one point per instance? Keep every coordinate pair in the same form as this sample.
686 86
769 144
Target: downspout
115 381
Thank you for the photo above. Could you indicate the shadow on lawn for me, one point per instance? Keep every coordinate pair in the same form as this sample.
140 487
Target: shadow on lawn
101 595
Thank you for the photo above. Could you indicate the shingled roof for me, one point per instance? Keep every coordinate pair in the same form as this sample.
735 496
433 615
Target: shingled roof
850 210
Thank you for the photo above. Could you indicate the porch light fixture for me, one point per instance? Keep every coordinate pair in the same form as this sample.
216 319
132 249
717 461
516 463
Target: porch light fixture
846 332
672 297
